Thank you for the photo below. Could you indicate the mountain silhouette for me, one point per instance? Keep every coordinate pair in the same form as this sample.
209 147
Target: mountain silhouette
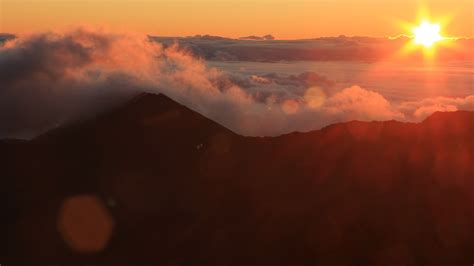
176 188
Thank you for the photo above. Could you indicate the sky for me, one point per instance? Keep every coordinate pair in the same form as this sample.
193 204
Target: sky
285 19
63 72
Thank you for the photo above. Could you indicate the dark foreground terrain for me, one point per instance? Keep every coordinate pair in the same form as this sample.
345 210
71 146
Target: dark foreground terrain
154 183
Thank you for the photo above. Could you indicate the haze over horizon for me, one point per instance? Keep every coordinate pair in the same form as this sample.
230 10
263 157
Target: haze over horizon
284 19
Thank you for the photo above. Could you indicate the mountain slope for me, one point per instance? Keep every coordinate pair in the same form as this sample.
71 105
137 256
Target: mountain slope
183 190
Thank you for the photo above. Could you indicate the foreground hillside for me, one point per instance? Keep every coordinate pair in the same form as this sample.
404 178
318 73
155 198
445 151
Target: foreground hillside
154 183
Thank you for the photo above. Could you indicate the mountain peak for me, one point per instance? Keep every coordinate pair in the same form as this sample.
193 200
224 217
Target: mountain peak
145 114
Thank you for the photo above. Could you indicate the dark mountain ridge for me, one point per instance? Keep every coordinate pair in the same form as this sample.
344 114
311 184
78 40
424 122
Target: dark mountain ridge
183 190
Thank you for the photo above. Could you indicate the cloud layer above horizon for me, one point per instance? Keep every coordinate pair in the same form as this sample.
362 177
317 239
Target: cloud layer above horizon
49 79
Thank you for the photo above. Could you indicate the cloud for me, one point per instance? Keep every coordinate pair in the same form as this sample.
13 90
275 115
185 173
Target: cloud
49 79
341 48
6 37
418 110
357 103
258 38
54 78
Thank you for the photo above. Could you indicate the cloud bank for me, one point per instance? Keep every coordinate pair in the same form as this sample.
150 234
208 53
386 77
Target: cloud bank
341 48
50 79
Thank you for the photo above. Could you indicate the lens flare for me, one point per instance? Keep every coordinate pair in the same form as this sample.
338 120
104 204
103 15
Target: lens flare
427 34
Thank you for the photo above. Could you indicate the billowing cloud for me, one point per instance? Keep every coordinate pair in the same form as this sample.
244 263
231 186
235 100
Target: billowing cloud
53 78
416 110
358 103
49 79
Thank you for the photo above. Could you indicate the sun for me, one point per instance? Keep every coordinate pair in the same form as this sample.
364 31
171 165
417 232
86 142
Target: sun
427 34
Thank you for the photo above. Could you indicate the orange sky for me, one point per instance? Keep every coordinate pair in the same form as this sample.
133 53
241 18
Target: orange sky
286 19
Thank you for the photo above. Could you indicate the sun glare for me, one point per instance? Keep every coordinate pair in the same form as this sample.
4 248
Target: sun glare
427 34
